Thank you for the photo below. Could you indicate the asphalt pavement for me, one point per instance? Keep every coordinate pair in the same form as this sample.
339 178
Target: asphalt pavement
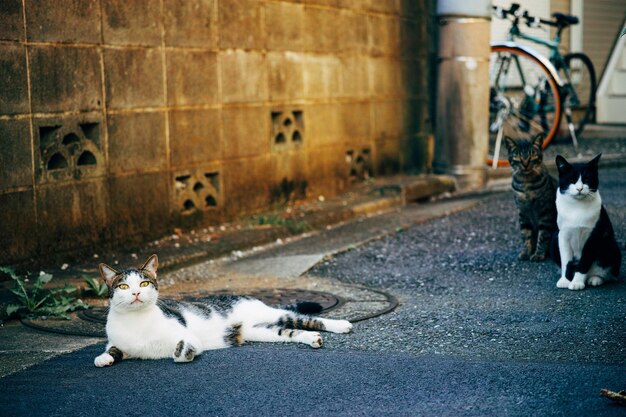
477 333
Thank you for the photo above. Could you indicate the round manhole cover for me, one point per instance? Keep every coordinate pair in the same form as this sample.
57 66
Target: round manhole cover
94 319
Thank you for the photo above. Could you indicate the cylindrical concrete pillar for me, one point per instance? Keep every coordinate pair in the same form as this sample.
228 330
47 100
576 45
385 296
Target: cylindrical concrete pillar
463 91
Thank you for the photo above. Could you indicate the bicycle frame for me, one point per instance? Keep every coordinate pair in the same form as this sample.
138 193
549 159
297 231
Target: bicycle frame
556 58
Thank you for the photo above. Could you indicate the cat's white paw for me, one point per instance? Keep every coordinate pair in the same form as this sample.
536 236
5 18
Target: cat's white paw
103 360
595 281
313 339
576 285
339 326
562 283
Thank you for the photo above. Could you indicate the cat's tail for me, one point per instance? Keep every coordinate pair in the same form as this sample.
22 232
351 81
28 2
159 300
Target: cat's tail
305 307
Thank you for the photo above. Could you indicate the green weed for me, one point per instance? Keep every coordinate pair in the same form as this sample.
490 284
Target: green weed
35 300
96 287
294 226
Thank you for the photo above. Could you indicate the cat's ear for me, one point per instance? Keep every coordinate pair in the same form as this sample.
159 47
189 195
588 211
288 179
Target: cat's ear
562 165
151 265
510 143
108 273
594 162
538 140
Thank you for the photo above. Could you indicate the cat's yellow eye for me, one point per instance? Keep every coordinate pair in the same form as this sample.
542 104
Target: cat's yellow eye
123 286
144 283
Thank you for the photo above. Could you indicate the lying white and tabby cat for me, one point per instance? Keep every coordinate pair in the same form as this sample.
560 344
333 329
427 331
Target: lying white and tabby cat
139 325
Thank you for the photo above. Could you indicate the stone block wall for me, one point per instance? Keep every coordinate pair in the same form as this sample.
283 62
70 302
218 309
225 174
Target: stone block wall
122 119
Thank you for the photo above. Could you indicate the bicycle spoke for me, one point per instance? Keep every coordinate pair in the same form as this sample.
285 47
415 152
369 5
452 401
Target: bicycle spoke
524 99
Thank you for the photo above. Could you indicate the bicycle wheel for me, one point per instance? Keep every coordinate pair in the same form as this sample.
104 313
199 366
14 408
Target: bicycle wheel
581 91
524 99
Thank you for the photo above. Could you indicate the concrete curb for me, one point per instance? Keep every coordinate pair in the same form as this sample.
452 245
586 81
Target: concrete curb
381 196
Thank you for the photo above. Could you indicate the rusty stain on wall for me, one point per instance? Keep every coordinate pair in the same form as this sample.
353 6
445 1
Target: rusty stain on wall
119 122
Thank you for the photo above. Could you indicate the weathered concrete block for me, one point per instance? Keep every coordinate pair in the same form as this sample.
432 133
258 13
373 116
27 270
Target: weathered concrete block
63 20
354 31
244 76
322 76
241 24
388 118
286 76
331 3
134 78
413 39
131 22
291 165
197 195
246 131
246 184
387 156
382 6
323 124
415 75
288 128
321 32
18 230
386 77
74 215
191 78
65 79
416 117
139 206
355 79
16 165
356 121
12 27
285 26
137 142
359 161
68 148
329 169
190 23
384 35
194 137
413 8
289 176
13 83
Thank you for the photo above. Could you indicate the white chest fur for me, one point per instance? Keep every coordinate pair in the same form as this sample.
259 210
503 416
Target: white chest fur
576 219
146 333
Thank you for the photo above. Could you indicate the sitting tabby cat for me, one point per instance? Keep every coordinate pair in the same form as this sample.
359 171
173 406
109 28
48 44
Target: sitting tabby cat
534 190
585 246
139 325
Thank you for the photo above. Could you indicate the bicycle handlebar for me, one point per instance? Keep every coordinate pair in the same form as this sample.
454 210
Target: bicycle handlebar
514 10
535 22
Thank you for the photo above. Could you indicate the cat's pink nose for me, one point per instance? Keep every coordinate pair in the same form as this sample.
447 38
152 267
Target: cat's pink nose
136 294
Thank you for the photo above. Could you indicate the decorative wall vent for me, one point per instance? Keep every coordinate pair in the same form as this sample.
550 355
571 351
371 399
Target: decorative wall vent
359 163
287 128
197 191
70 150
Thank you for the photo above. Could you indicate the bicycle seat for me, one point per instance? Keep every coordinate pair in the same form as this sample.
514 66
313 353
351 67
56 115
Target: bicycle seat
565 19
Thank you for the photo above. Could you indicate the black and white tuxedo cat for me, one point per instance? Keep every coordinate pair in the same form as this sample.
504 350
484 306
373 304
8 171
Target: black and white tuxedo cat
585 248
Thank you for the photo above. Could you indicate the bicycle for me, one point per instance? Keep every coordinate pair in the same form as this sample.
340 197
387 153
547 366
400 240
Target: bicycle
529 93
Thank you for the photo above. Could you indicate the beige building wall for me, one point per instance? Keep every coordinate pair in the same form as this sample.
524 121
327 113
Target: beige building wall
603 20
122 119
